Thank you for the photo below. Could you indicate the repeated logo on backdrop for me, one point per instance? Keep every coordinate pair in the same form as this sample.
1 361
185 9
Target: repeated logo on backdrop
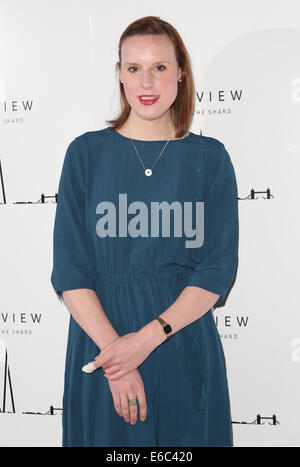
13 111
217 102
231 327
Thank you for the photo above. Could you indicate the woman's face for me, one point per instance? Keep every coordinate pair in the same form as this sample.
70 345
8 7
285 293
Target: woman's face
149 67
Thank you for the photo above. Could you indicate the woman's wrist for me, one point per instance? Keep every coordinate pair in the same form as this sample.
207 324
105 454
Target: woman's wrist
152 333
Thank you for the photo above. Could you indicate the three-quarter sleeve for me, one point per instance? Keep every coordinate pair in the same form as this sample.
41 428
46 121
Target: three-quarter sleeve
73 260
215 262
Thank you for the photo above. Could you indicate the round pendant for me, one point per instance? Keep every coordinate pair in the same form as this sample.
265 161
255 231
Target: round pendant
148 172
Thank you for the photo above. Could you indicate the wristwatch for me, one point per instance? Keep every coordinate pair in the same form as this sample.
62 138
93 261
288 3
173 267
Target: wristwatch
165 326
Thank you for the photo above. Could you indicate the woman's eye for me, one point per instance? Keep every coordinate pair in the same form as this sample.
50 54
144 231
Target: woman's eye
159 66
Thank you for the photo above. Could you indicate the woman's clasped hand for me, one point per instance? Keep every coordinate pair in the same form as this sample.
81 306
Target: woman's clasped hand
120 360
123 355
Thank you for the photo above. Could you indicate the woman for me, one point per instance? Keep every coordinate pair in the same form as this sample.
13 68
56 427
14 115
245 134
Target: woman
118 268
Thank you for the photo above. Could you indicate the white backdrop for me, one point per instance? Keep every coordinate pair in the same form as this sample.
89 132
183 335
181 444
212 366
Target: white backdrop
58 80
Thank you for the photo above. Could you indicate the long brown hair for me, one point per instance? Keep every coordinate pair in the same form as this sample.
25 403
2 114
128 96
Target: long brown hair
182 109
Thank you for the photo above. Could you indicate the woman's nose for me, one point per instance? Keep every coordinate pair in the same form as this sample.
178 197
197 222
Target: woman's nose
146 80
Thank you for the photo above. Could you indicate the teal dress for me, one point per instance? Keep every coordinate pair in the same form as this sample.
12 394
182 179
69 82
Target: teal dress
108 238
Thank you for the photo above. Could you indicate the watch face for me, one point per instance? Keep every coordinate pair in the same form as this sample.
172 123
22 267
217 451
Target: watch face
167 329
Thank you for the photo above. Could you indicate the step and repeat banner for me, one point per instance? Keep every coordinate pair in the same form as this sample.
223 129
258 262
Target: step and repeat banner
58 80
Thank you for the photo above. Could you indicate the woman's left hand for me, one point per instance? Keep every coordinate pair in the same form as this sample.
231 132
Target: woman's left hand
123 355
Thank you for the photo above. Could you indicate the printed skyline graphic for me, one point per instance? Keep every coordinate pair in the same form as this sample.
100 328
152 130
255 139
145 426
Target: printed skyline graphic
7 387
258 421
7 383
42 199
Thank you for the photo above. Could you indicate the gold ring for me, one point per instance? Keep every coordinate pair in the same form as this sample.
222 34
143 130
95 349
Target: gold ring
132 401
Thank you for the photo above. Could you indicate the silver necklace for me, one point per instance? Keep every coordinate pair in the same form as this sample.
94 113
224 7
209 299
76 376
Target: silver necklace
148 172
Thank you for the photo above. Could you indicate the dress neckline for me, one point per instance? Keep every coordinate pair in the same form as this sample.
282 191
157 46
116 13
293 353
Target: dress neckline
122 137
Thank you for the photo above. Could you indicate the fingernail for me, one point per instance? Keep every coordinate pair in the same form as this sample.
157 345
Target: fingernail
89 368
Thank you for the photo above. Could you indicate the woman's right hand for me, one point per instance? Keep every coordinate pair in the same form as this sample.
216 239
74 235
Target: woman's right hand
128 387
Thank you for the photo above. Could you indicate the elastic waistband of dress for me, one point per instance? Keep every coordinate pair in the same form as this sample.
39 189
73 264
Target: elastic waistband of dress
174 272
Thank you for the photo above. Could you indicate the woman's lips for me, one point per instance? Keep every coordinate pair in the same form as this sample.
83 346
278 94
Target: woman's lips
149 101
